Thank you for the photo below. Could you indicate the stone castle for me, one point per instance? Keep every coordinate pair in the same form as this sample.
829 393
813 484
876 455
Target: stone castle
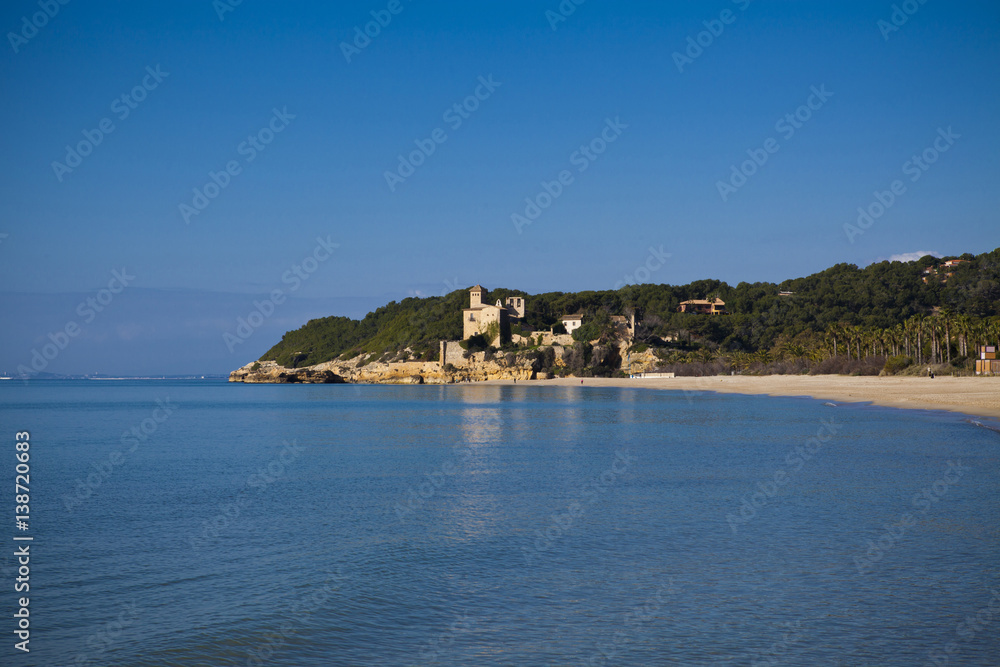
477 318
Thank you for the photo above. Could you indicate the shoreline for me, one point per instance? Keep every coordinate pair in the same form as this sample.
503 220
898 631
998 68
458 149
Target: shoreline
975 396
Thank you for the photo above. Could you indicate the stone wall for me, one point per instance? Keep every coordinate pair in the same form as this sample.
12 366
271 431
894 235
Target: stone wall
452 353
555 339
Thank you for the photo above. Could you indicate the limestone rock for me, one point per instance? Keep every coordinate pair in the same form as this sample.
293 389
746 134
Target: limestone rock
474 368
271 372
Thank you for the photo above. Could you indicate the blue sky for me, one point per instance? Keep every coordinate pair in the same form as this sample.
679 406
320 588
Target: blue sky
678 132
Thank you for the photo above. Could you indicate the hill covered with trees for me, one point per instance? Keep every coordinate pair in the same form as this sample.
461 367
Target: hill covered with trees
885 309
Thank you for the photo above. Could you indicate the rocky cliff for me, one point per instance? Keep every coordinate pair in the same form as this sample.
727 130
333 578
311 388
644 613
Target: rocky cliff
458 368
270 372
411 372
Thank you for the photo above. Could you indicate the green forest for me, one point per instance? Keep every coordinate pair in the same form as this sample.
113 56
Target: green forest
885 309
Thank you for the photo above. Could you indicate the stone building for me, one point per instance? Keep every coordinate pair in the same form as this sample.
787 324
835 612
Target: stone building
478 317
703 307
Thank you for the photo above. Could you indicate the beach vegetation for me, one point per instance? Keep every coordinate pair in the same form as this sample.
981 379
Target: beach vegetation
896 364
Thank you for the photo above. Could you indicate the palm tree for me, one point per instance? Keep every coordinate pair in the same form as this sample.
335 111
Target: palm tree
703 354
938 338
880 337
973 333
929 332
848 333
842 332
832 332
866 337
962 333
993 331
878 342
741 361
979 335
897 336
817 355
934 327
795 351
945 322
918 326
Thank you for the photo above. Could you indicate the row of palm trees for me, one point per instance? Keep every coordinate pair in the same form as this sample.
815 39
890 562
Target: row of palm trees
925 338
740 360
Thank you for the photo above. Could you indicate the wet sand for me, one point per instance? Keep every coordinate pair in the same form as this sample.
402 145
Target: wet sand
970 395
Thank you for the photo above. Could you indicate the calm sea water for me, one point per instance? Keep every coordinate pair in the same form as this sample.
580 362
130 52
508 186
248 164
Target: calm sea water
488 525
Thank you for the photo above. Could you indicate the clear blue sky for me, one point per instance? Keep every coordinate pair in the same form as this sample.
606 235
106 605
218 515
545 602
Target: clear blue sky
449 223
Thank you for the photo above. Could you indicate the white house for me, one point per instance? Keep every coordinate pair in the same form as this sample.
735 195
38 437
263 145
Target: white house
572 322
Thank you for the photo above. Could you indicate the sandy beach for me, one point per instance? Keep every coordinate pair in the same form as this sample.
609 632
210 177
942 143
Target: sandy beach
970 395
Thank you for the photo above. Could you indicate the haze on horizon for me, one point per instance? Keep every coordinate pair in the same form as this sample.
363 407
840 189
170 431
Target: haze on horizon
210 157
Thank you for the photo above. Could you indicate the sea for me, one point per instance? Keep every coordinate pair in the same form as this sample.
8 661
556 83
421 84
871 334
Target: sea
198 522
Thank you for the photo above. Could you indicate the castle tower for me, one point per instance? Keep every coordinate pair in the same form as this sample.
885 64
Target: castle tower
515 305
476 296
